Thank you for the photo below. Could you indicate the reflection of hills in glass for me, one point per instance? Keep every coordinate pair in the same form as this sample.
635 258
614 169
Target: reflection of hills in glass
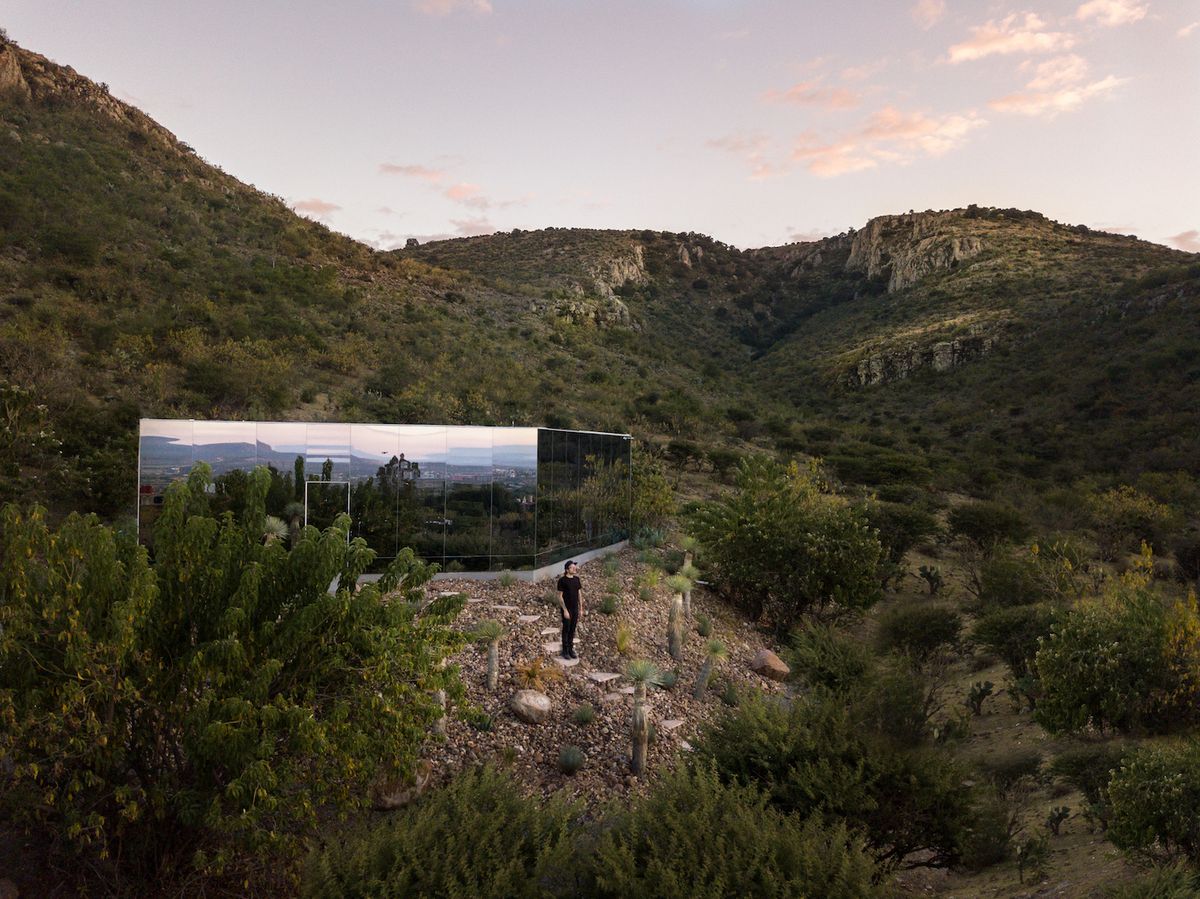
165 458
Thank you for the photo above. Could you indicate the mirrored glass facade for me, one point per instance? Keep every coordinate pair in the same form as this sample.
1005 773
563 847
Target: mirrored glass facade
469 498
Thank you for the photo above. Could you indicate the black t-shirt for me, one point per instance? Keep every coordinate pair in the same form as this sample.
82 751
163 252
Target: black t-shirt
569 587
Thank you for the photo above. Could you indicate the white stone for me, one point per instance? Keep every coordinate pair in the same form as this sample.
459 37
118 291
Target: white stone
552 647
525 619
505 608
531 706
546 631
566 663
670 723
603 677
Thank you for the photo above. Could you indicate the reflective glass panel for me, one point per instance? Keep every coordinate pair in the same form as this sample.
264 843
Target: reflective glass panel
164 455
421 512
327 456
514 496
468 497
376 485
281 447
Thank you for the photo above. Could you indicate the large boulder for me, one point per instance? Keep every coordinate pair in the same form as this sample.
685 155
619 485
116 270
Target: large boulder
770 665
531 706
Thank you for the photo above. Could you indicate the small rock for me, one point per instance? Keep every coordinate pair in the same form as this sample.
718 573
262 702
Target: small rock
525 619
531 706
612 697
552 647
603 677
670 724
388 796
770 665
547 631
504 608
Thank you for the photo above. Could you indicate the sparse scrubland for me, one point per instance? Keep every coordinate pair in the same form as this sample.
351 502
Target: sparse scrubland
945 467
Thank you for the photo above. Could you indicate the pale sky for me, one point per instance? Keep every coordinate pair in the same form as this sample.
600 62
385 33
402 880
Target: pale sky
755 121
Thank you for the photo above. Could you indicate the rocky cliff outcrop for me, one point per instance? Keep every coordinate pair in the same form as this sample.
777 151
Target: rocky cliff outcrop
898 363
617 271
906 248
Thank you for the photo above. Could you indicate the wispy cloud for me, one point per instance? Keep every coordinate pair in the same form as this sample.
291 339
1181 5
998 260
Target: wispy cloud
1058 86
468 195
316 207
446 7
753 149
928 13
1188 241
387 210
425 173
1187 30
889 136
797 236
813 93
1015 33
1111 13
472 227
863 72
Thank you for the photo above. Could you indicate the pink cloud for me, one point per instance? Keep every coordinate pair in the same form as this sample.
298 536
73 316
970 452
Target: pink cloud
446 7
753 149
1188 241
412 171
1012 34
863 72
812 93
468 195
1111 13
316 207
888 136
1048 104
1057 72
1186 30
928 13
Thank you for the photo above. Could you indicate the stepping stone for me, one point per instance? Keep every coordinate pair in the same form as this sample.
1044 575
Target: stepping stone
685 745
546 631
628 691
552 647
670 723
474 599
566 663
612 697
525 619
504 608
603 677
450 593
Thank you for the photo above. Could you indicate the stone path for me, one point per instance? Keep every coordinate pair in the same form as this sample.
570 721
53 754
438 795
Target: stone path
603 677
525 619
670 723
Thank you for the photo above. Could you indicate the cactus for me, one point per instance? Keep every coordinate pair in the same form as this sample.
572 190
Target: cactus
642 673
675 628
979 692
932 575
716 652
491 631
570 759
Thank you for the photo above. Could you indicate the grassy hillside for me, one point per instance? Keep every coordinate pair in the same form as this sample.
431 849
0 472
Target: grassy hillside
971 346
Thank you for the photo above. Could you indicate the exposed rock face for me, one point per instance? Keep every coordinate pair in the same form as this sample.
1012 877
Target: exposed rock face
770 665
12 81
905 248
603 313
531 706
898 364
621 270
397 794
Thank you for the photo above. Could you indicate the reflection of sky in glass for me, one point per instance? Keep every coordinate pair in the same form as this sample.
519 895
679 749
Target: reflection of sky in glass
181 431
283 437
208 432
514 447
423 443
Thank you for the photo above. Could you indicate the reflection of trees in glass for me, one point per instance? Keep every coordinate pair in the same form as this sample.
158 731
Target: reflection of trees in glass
386 508
602 498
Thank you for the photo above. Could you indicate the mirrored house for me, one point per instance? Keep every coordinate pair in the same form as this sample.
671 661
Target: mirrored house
468 498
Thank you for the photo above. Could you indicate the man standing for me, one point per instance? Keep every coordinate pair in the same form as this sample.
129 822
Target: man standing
570 601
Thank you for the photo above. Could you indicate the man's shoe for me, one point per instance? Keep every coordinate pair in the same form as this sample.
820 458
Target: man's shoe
572 655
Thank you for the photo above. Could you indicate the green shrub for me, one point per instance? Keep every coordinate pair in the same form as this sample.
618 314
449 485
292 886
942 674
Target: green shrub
811 756
900 528
1089 768
1126 661
609 604
823 656
918 629
696 837
1047 572
1155 801
584 714
478 836
897 701
668 679
228 650
506 578
1172 881
1013 633
1124 518
1005 769
704 626
570 759
987 839
987 524
781 545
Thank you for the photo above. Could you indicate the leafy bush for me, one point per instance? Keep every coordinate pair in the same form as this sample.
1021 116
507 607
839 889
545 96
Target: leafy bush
918 629
694 836
275 696
704 626
584 714
1013 633
812 757
781 545
653 496
506 578
1172 881
1155 798
824 656
1089 768
478 836
987 524
1007 768
1124 518
900 528
1126 661
608 605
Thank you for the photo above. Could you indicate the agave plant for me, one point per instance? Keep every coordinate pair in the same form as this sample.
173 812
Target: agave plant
274 528
716 651
642 673
491 631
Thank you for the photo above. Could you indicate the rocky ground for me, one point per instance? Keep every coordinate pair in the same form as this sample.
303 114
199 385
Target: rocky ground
530 613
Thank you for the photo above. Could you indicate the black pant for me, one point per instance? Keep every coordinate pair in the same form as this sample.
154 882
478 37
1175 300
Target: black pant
568 633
